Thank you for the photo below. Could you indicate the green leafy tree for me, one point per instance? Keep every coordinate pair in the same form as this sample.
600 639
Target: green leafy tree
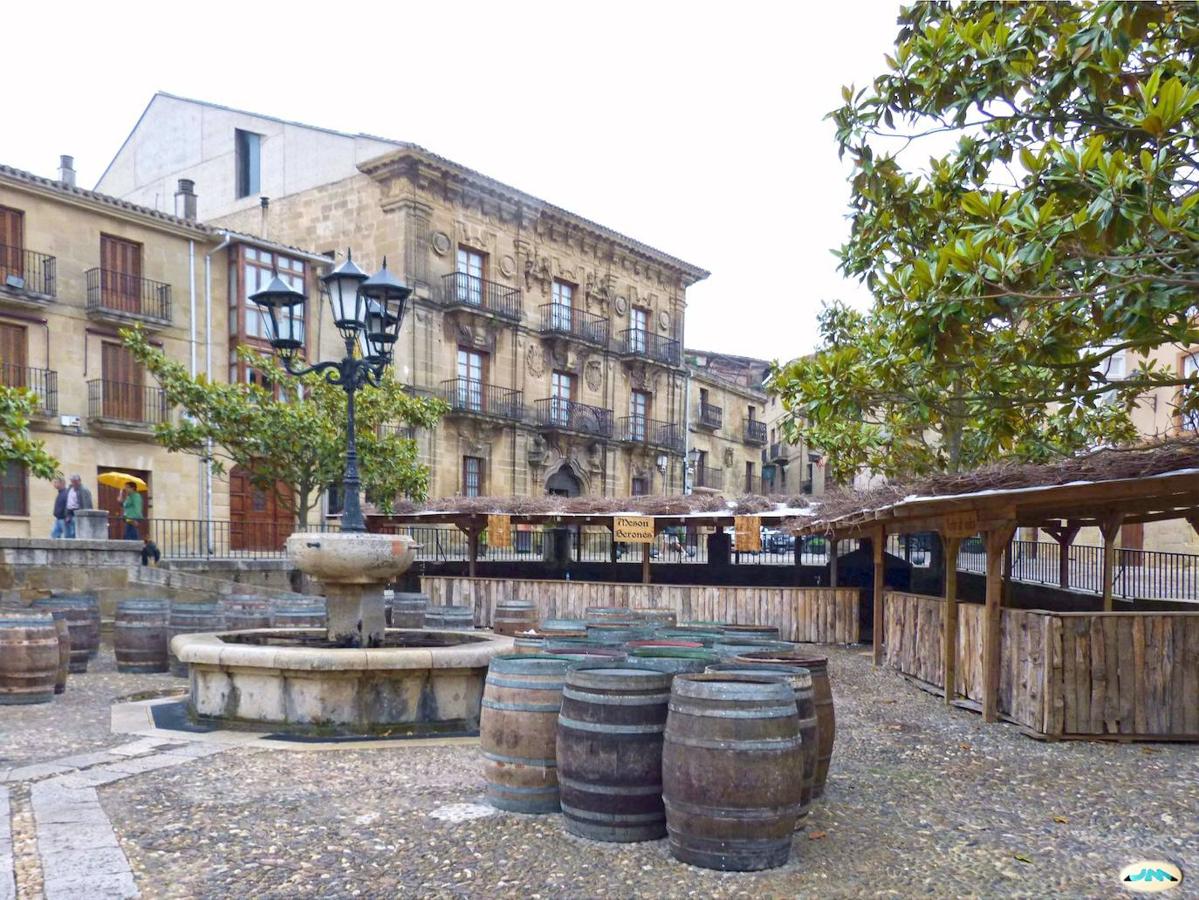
16 409
1055 224
293 437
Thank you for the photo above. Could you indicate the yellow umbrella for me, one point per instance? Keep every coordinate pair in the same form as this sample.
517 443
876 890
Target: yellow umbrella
120 479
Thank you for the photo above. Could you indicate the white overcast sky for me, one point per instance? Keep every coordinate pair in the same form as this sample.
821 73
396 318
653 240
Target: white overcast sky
695 127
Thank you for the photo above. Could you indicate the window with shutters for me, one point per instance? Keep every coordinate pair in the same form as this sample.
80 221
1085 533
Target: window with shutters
121 274
13 344
639 403
12 244
562 310
639 322
640 486
472 266
471 368
472 476
562 394
14 489
248 159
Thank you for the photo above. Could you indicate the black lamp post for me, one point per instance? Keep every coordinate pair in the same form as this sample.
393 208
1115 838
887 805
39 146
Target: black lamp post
368 312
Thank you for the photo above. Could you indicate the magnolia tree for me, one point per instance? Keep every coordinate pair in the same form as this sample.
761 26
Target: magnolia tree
1055 225
16 446
292 439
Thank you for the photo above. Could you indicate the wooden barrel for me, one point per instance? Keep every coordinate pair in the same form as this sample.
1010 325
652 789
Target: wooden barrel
822 690
28 657
514 616
761 632
664 642
731 648
673 660
706 636
564 627
453 617
83 623
246 611
308 613
732 771
140 635
529 642
518 731
192 617
63 630
408 610
616 633
610 753
619 614
805 703
656 616
575 647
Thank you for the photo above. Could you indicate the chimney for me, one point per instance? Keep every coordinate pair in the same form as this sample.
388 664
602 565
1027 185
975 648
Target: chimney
66 170
185 199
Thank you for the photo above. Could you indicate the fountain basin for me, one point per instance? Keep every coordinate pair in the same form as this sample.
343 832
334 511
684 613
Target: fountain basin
421 682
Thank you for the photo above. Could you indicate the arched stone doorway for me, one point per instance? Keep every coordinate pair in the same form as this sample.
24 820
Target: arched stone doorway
564 483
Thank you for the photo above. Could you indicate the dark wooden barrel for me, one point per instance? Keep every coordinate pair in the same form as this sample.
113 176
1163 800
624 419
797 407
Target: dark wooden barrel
63 630
518 730
408 610
514 616
83 623
822 690
192 617
308 613
805 703
761 632
246 611
673 660
610 753
732 771
453 617
657 616
28 657
140 635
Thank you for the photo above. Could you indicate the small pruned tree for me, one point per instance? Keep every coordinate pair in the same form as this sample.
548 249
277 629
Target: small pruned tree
16 444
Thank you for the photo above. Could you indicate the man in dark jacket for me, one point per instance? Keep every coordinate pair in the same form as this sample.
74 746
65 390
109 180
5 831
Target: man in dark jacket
60 508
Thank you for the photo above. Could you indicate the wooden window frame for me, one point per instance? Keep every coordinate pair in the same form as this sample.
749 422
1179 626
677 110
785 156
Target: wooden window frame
21 479
480 479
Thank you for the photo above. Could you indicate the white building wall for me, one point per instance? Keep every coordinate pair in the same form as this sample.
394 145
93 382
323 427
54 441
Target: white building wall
179 138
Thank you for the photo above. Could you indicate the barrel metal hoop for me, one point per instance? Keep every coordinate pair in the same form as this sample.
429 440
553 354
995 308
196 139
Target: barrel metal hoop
606 728
551 763
520 707
759 712
778 744
753 814
642 790
616 699
611 818
500 681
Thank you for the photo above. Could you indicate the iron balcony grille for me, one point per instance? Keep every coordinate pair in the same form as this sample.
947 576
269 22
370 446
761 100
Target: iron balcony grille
707 477
129 295
755 432
467 395
472 292
647 345
28 272
710 416
568 415
123 402
641 430
557 318
42 382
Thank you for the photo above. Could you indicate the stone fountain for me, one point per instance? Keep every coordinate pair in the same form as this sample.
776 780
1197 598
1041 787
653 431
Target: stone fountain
357 676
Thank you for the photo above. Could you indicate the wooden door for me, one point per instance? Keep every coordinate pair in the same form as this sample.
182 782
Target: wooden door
123 383
120 273
12 243
258 519
13 343
109 498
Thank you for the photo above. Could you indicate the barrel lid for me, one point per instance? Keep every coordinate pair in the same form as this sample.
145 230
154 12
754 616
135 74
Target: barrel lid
599 676
529 663
732 686
675 652
793 674
793 658
445 609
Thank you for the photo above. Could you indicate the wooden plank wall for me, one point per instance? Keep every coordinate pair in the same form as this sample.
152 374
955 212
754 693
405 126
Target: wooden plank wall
818 615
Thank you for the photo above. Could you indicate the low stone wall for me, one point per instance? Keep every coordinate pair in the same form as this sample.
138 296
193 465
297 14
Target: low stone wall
273 574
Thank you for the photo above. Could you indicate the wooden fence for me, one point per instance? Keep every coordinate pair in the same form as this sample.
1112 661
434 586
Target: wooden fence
818 615
1119 674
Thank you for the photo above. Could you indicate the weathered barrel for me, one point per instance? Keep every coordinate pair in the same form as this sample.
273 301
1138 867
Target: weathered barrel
28 657
83 623
610 753
732 771
805 703
822 691
616 633
514 616
308 613
618 614
664 642
518 731
140 635
706 636
657 616
575 647
63 631
564 627
408 610
673 660
762 632
730 647
246 611
455 617
192 617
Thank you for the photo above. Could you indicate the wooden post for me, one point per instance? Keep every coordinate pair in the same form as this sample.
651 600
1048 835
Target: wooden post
996 541
645 548
949 631
612 549
879 541
578 543
1065 537
1109 527
472 538
832 562
1007 572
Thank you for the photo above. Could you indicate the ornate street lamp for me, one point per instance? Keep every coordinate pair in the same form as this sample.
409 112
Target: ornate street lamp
368 312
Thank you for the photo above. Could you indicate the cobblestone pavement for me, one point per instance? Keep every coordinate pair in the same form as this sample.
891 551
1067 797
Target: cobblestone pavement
921 801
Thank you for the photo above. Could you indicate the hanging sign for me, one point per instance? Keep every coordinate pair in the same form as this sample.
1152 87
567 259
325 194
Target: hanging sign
499 531
961 524
747 534
634 529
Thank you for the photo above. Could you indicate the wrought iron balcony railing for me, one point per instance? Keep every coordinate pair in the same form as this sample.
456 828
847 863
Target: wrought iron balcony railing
557 318
472 397
755 432
708 477
28 272
471 292
645 344
43 382
569 415
710 416
123 402
655 433
127 295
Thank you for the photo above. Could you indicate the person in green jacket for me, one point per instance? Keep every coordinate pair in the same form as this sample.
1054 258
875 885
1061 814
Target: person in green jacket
133 511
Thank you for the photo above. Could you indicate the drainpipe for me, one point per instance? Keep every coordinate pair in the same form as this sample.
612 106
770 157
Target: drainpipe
208 374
